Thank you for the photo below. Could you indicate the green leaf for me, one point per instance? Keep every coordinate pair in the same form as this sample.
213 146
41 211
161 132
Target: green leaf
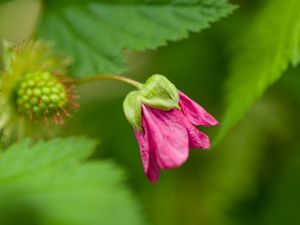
96 33
132 109
3 1
158 92
48 183
269 44
282 203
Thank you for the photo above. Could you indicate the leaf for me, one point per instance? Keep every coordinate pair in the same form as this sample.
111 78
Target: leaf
158 92
96 33
3 1
48 183
269 44
282 203
132 109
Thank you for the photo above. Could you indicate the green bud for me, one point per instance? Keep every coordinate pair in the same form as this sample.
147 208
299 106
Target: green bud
132 109
29 71
32 97
158 92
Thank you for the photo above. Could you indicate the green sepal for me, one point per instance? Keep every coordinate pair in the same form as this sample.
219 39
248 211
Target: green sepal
158 92
132 107
8 55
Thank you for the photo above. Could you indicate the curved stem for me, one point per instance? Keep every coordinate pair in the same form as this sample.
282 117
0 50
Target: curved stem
127 80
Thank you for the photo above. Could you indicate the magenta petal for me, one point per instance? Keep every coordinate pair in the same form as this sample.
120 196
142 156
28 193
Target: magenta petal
197 139
196 114
151 168
167 136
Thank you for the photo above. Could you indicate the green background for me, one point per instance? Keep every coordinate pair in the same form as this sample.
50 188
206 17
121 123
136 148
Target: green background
251 177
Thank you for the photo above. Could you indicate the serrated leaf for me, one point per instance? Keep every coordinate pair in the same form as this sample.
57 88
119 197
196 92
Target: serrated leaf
269 44
48 183
95 33
132 107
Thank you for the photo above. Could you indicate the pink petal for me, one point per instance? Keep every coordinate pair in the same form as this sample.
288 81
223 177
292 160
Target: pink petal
167 136
197 139
194 112
151 168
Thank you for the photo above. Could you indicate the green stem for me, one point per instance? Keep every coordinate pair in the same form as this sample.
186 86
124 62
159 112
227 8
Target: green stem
127 80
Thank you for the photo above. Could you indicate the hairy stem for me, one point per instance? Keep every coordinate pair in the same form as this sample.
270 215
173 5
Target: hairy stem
127 80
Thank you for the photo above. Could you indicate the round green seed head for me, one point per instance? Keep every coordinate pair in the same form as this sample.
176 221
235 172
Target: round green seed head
41 93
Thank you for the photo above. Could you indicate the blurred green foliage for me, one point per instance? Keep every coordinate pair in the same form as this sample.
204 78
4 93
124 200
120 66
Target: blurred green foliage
259 58
252 176
48 183
95 33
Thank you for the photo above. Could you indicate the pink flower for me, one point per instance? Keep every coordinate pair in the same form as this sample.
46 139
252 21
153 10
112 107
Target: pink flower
168 134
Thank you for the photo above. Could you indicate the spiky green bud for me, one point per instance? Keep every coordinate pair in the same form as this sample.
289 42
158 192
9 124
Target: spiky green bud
34 90
40 94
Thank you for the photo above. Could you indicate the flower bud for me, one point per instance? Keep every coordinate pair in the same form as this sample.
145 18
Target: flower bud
33 89
157 92
41 94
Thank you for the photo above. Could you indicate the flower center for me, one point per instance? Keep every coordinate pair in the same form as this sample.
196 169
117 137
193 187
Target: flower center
40 94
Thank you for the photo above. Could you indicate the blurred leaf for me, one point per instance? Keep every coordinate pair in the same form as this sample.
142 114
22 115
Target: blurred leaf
95 33
269 44
282 206
3 1
47 183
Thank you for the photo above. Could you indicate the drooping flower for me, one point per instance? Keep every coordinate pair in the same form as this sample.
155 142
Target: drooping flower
34 89
164 121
